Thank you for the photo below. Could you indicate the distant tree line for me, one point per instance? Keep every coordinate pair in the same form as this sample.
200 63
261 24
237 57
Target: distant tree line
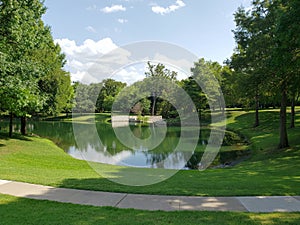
96 97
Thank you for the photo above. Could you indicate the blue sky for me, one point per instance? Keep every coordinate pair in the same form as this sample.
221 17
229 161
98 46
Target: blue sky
201 27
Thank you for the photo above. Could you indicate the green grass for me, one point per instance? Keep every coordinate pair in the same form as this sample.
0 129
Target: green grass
26 211
265 138
268 172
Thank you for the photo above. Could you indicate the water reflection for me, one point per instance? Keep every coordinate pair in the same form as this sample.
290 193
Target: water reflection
111 151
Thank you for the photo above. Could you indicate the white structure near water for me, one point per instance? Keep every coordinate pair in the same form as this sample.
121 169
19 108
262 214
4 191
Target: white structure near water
124 120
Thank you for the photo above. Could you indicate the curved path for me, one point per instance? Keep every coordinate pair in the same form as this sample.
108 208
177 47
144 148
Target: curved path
152 202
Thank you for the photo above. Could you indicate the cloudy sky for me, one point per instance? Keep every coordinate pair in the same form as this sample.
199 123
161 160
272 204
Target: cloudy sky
87 29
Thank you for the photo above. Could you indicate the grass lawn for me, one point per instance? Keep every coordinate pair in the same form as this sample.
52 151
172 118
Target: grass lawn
26 211
268 172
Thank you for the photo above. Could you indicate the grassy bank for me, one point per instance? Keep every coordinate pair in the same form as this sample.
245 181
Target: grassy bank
26 211
268 172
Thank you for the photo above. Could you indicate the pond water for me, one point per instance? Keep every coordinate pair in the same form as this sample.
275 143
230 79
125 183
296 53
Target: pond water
105 147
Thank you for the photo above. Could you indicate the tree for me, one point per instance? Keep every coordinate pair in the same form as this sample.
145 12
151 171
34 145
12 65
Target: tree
230 87
109 89
207 74
84 103
195 92
161 72
251 54
55 82
267 38
295 94
19 26
20 97
30 56
286 54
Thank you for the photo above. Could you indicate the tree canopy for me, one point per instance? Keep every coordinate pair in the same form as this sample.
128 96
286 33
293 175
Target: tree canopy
267 54
31 75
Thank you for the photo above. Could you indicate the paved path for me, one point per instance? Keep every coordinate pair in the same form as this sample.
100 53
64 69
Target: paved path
152 202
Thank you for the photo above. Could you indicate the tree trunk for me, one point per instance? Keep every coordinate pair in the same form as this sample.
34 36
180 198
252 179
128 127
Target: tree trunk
283 131
293 113
256 124
23 125
153 106
200 117
10 124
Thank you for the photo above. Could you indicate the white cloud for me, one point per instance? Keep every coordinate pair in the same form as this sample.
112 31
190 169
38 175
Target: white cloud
130 74
93 61
91 29
80 58
122 21
113 8
180 65
161 10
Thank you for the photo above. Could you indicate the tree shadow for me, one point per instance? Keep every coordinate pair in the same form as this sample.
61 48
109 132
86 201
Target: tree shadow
16 136
266 135
52 211
20 211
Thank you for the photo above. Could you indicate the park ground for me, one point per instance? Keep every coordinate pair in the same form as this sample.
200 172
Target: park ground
268 172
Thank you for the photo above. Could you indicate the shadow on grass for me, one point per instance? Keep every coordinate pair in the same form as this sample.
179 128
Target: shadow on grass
20 211
266 135
15 136
277 176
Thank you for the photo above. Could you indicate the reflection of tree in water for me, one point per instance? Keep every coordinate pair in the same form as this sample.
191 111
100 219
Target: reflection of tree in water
152 159
61 133
163 156
193 162
140 131
165 151
168 160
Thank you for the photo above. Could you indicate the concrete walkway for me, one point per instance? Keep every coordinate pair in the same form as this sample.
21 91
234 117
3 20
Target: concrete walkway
152 202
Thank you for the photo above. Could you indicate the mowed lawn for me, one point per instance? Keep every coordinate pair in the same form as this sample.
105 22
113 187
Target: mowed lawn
27 211
267 172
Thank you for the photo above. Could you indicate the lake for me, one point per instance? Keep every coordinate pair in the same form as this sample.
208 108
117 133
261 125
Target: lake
105 147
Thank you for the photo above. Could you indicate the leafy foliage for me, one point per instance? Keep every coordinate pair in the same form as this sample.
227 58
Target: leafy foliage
31 74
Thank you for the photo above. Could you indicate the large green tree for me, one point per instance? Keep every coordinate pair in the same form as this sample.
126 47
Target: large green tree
29 55
286 54
18 35
54 83
267 52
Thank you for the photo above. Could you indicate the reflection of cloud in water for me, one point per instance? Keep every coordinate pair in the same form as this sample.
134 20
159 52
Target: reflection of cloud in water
125 158
138 158
99 156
